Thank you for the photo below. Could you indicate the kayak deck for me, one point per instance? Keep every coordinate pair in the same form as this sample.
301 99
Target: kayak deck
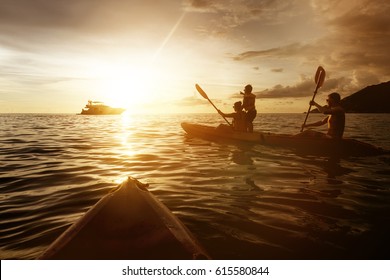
301 144
128 223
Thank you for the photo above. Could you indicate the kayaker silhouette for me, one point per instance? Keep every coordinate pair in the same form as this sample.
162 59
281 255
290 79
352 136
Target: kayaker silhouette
335 120
248 104
239 121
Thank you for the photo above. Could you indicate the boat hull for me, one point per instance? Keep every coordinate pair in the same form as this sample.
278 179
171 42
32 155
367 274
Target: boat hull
301 144
128 223
110 111
99 108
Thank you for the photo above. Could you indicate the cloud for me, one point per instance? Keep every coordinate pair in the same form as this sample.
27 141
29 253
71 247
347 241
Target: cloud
363 36
201 104
191 101
269 42
358 44
26 24
304 88
77 16
227 16
295 49
354 49
280 91
75 13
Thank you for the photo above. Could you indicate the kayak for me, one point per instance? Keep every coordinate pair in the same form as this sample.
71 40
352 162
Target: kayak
299 143
128 223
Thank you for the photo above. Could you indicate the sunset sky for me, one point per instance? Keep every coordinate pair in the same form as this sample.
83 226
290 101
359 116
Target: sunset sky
147 55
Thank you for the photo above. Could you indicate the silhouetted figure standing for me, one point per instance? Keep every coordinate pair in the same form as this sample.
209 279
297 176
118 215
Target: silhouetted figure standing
248 104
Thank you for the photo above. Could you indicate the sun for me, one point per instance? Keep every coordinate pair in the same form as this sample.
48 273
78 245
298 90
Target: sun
127 86
138 84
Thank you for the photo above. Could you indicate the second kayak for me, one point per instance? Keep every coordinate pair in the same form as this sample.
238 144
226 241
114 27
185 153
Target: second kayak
306 145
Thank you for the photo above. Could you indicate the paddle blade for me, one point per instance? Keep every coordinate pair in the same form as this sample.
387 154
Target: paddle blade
320 76
201 91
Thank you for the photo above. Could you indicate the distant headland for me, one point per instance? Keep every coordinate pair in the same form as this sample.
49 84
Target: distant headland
371 99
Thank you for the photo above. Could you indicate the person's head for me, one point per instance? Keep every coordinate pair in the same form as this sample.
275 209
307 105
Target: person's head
248 89
237 106
333 98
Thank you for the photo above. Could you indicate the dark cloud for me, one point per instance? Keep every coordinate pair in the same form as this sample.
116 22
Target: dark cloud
225 16
201 3
280 91
308 51
358 44
304 88
290 50
361 37
354 50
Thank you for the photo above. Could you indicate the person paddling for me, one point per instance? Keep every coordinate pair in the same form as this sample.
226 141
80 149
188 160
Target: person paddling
238 116
248 104
335 120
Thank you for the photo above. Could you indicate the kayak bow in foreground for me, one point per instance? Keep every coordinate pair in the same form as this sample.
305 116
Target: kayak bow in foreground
127 223
302 144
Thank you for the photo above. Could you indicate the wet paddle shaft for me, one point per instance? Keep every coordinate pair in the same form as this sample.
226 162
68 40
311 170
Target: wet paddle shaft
204 95
319 79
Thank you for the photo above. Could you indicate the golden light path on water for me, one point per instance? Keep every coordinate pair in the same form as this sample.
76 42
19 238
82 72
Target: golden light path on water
126 145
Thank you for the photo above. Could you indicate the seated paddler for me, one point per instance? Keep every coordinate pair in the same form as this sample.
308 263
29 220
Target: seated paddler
238 116
335 118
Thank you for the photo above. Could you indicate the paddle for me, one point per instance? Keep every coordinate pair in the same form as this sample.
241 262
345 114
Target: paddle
319 79
201 91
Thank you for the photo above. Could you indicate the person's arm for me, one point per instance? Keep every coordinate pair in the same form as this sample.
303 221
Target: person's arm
327 110
322 109
319 123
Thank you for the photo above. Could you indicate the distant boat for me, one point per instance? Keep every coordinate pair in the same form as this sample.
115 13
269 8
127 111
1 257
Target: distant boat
99 108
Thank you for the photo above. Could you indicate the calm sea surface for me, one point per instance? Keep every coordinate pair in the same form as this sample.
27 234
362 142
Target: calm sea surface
241 201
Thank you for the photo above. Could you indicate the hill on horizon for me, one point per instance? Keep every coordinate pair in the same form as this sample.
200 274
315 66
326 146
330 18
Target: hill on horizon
371 99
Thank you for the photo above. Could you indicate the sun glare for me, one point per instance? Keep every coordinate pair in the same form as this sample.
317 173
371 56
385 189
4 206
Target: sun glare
127 87
140 88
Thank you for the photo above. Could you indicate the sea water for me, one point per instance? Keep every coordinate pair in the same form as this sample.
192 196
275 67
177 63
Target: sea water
241 201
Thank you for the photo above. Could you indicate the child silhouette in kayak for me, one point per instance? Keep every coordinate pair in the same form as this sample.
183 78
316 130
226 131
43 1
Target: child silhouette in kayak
238 116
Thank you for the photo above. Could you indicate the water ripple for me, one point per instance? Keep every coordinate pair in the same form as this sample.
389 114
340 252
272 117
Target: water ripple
241 201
